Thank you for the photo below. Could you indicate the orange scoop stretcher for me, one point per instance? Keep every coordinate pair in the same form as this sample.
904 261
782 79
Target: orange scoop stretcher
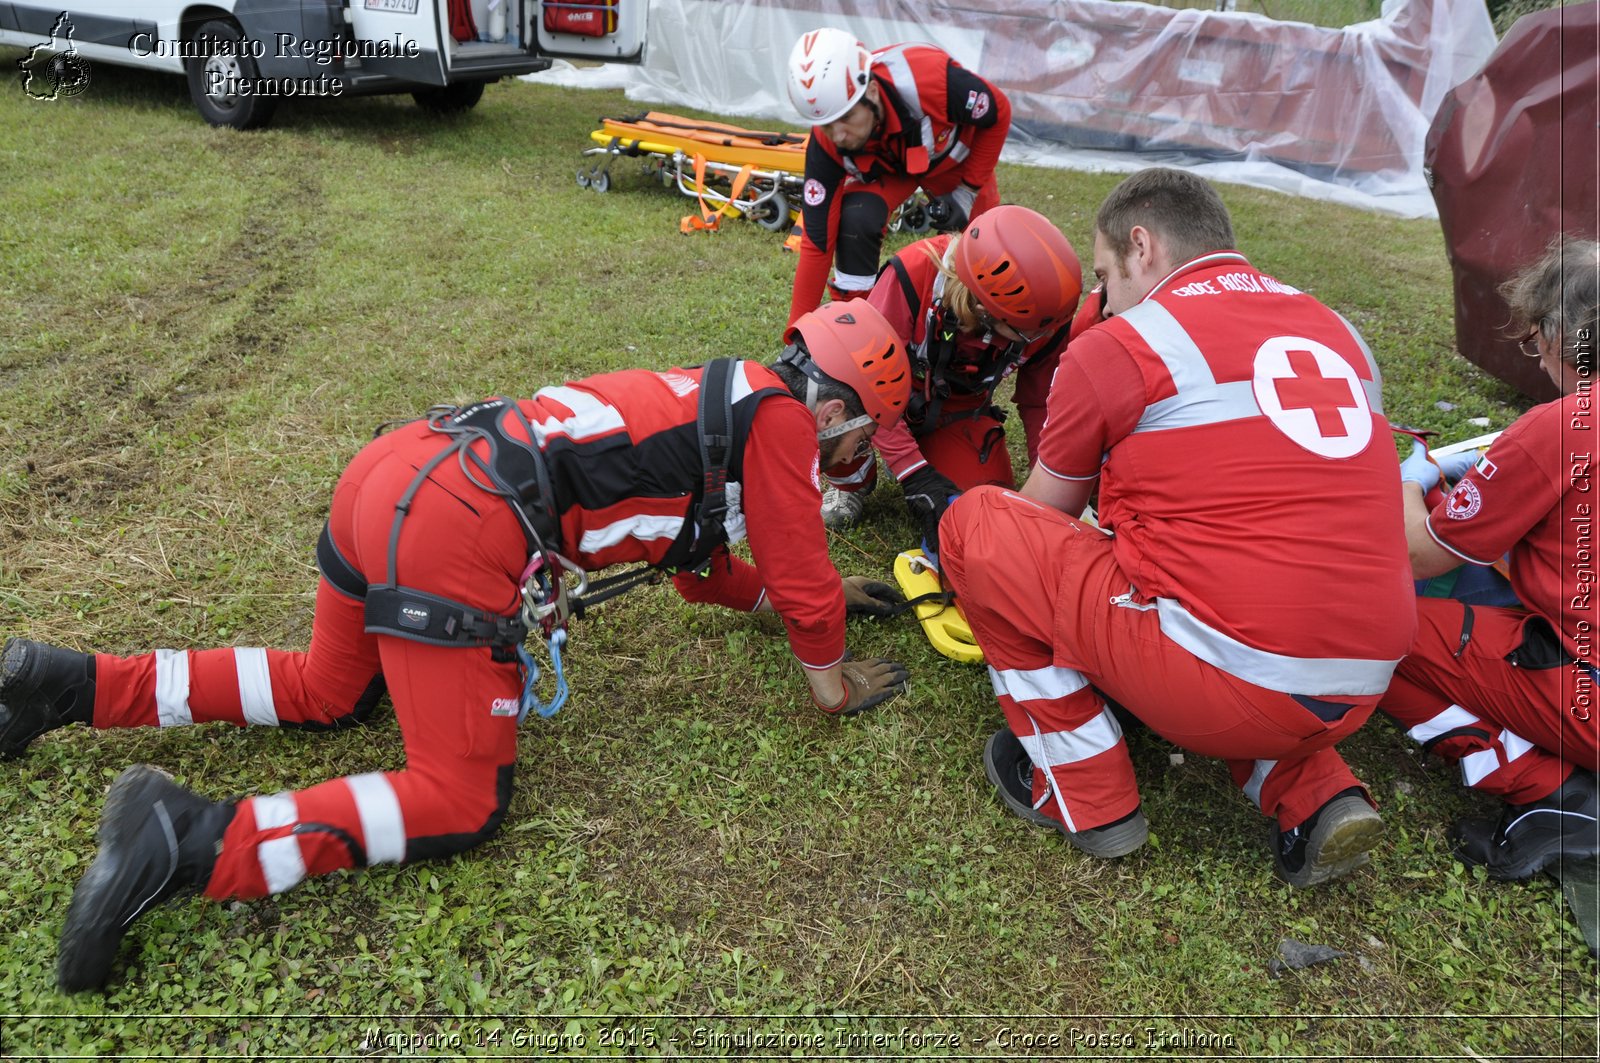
727 170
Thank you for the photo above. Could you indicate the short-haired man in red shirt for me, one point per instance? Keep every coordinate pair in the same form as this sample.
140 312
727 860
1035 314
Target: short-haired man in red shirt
1253 597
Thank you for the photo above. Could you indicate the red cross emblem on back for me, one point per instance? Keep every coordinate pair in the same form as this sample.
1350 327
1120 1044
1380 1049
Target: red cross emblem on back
1308 389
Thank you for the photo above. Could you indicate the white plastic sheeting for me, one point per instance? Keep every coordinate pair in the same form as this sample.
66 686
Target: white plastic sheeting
1336 114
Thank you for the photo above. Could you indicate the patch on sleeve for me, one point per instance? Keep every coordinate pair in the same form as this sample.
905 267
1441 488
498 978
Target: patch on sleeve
1464 502
1485 467
814 192
977 103
816 473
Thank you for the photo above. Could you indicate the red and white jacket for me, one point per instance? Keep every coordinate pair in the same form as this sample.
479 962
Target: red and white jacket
624 460
939 119
1248 475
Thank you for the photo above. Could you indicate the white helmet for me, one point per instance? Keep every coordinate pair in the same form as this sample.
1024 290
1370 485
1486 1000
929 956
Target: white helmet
827 74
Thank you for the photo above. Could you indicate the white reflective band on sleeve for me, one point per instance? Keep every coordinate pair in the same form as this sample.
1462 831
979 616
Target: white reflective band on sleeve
172 688
281 863
1311 676
854 282
1053 748
1036 684
1258 778
959 151
1452 719
383 827
1478 766
275 810
644 528
590 417
1515 745
255 687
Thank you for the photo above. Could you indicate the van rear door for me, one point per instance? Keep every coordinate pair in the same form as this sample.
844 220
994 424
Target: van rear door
406 36
611 31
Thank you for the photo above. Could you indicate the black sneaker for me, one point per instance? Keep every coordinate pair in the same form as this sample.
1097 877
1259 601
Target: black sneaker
1009 768
1332 843
155 839
1531 837
42 687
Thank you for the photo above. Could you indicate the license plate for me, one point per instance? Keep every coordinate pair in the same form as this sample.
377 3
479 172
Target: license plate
405 7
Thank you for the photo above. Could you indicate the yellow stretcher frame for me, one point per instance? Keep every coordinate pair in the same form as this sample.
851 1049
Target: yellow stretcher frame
945 625
741 170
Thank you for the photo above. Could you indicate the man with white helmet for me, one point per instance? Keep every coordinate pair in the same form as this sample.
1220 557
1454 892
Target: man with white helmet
884 124
440 533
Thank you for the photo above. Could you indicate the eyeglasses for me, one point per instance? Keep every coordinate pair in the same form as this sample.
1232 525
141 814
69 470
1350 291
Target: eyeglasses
1529 344
863 449
990 325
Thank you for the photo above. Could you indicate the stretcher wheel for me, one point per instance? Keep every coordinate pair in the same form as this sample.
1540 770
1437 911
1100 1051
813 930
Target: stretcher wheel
583 178
600 181
772 215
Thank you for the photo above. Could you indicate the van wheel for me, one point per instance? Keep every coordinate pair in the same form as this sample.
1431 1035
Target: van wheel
215 77
450 99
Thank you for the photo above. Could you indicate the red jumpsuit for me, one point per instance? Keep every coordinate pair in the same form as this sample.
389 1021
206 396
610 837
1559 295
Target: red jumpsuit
622 453
1255 594
1507 693
942 126
963 440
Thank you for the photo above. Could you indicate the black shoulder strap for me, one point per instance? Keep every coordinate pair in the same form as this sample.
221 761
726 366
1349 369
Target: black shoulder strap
702 526
714 424
907 290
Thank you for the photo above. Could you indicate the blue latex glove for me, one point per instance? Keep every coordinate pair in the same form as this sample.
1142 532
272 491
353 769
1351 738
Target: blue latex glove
1455 466
1418 469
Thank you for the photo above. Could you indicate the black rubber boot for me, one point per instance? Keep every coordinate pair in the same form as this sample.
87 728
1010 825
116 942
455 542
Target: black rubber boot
1332 843
1009 768
42 687
1529 838
156 838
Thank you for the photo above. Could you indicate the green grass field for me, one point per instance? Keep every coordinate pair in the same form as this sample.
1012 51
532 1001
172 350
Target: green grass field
199 328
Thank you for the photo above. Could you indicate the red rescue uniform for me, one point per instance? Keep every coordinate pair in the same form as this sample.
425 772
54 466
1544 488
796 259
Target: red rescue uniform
1254 595
622 454
951 423
942 126
1506 692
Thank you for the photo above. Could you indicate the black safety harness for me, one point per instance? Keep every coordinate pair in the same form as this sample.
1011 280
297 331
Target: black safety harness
515 470
933 357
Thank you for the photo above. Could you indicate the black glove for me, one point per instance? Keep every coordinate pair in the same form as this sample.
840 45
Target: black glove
928 495
867 683
865 596
949 212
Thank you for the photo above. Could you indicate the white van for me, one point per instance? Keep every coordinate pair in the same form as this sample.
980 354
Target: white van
242 56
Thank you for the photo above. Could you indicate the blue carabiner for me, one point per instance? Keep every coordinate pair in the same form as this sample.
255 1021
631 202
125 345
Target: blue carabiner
530 676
